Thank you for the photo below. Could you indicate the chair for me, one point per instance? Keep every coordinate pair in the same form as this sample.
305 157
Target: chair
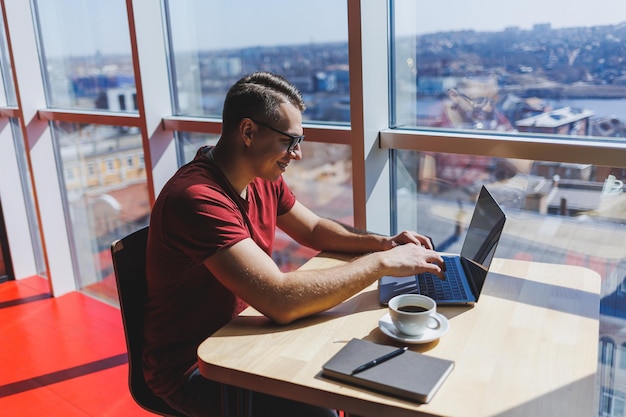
129 263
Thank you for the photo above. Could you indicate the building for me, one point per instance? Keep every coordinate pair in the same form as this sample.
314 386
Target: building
564 121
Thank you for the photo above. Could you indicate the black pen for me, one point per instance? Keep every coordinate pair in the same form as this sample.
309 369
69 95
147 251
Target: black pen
377 361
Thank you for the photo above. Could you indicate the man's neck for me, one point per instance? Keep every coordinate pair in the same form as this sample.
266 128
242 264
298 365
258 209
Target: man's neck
222 158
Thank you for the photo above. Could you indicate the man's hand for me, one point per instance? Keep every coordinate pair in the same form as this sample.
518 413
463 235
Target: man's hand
409 237
412 258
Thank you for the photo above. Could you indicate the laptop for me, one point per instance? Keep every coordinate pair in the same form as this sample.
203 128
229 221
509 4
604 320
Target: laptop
465 273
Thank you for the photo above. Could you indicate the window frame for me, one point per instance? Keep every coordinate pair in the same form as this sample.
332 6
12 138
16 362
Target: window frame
527 147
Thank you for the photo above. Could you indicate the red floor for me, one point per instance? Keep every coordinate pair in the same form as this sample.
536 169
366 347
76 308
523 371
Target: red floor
63 356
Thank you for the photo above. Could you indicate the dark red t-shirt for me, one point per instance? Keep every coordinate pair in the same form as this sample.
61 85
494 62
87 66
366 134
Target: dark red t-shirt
196 214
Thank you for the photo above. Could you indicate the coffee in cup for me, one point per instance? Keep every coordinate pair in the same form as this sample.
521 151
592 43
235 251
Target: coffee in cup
412 314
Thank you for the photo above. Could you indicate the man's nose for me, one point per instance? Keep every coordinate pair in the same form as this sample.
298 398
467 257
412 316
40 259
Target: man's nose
296 153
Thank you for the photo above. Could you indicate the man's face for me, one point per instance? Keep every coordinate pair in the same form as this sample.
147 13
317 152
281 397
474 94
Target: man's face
269 152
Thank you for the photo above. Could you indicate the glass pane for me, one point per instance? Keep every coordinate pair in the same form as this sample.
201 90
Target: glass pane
104 182
561 213
189 143
27 191
86 54
321 180
622 356
503 67
214 43
7 87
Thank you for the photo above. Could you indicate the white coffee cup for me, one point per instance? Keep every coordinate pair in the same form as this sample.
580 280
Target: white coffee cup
612 185
412 314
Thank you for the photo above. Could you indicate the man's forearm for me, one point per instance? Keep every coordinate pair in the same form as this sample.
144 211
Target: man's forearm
332 235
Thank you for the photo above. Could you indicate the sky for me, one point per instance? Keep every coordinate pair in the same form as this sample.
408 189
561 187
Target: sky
205 24
495 15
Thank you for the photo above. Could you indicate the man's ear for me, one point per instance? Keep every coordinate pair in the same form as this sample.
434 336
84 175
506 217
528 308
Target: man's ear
247 129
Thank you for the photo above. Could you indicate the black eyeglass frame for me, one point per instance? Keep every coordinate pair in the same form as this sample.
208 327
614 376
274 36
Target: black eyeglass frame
295 139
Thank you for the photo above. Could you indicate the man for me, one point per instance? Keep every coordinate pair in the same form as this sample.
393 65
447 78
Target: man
210 244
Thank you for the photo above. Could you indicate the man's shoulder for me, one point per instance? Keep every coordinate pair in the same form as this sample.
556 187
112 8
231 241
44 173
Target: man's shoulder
193 183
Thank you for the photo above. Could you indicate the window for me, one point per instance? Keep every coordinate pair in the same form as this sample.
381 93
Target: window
69 174
466 88
510 69
622 356
92 169
209 52
86 54
7 87
611 403
189 143
322 181
557 213
26 185
110 165
104 204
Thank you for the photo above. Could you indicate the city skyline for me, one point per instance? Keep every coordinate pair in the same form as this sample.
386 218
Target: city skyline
209 25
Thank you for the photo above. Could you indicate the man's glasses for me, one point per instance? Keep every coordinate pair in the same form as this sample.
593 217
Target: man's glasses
295 139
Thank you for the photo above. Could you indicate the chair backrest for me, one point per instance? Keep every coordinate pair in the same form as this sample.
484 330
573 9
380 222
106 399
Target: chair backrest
129 263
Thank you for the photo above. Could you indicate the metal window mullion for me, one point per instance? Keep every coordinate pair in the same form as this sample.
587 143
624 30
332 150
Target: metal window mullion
604 153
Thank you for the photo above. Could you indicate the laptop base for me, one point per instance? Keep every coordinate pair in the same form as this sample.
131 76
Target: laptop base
389 287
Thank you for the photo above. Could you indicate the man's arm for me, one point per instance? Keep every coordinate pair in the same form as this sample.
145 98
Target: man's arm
323 234
250 273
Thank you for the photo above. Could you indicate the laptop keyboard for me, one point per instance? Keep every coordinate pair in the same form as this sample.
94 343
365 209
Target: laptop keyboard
449 289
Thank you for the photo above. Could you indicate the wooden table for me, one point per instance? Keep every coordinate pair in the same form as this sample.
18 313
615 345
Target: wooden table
527 348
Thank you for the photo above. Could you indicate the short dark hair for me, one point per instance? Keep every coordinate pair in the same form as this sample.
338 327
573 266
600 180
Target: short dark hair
259 95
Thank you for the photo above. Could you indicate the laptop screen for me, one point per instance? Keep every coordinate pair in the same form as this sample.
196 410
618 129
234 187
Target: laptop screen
484 230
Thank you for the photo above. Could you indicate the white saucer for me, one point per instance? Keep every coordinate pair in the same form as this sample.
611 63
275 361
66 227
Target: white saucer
386 325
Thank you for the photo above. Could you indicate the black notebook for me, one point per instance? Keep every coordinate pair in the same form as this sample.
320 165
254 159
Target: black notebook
411 375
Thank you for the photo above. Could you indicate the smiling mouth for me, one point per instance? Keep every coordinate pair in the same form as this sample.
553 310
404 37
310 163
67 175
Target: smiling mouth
282 166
